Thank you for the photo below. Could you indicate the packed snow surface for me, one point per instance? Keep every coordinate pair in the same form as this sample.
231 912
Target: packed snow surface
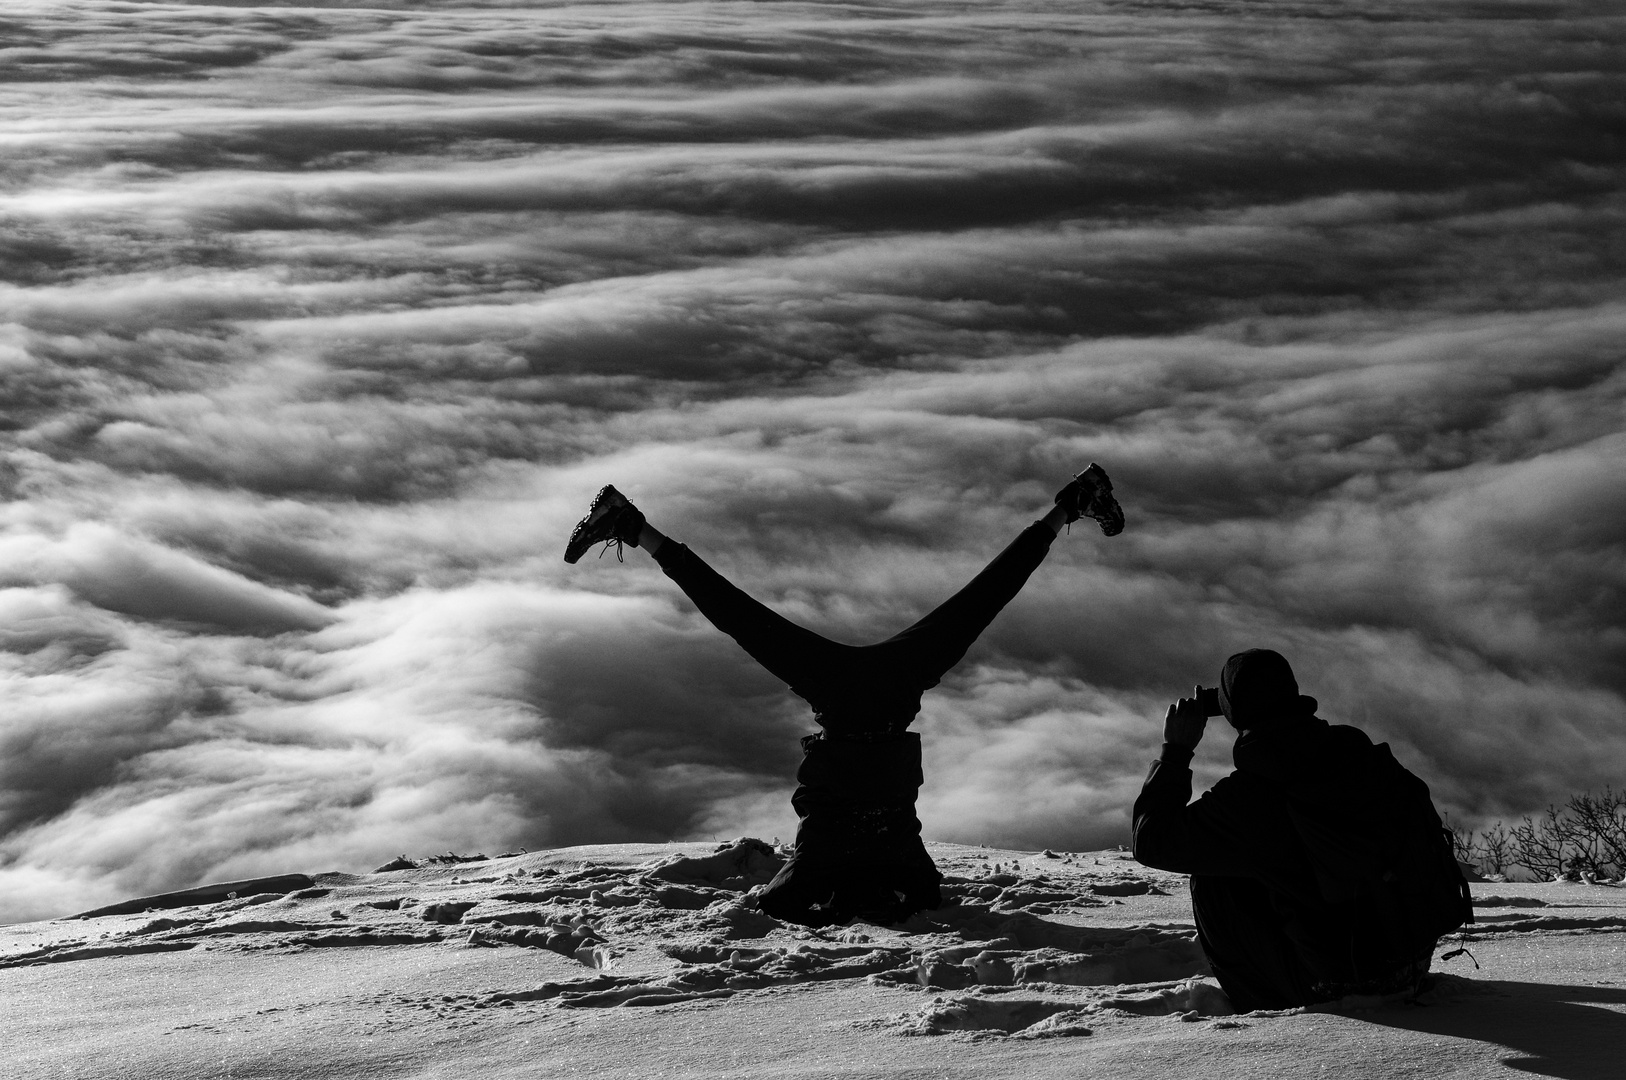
648 960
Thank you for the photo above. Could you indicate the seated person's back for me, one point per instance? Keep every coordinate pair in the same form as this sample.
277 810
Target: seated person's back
1319 867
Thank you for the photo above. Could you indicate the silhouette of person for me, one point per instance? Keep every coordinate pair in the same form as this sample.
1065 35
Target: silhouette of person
1319 867
858 851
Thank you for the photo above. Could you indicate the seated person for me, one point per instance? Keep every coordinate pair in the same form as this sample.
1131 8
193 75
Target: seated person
1319 867
858 852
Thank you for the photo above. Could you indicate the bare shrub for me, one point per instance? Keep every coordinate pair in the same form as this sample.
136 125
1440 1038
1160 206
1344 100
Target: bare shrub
1539 845
1462 841
1493 851
1598 831
1588 835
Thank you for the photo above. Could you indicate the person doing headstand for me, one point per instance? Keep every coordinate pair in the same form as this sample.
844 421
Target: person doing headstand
858 851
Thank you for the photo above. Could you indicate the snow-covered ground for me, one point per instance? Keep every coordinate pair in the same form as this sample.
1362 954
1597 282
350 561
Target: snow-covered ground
650 961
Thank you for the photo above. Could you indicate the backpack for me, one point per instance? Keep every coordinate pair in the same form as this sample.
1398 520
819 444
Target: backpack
1387 865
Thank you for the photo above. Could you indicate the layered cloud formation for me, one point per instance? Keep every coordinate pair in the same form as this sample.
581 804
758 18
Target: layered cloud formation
320 326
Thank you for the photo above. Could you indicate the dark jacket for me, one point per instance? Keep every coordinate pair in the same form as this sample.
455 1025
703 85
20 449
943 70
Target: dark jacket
1345 840
858 849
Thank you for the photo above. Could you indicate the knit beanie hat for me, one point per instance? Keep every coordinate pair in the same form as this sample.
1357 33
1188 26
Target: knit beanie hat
1257 687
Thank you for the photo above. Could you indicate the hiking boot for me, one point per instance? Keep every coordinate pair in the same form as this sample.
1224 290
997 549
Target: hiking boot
1090 495
610 520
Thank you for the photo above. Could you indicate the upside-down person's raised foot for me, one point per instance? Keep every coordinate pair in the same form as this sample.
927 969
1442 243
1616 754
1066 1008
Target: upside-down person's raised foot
1090 495
610 520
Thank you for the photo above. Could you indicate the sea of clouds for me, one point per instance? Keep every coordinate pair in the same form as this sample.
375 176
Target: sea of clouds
320 325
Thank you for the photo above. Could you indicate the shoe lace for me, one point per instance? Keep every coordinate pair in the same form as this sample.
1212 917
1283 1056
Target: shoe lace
620 549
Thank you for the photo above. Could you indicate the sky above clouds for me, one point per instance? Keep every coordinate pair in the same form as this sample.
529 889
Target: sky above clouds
320 325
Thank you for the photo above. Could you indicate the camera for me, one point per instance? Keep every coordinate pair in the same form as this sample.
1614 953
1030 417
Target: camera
1208 698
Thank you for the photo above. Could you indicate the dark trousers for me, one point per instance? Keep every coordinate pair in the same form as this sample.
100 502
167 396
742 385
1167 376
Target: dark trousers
1266 959
858 848
860 689
1242 933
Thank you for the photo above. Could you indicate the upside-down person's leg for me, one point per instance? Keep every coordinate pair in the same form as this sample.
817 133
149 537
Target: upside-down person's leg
804 661
923 653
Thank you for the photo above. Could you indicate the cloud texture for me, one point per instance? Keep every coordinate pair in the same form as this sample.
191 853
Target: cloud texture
320 325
